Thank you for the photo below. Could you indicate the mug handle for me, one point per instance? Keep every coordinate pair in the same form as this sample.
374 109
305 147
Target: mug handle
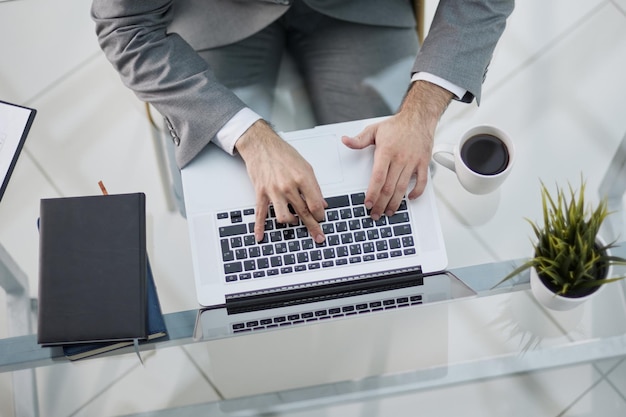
443 153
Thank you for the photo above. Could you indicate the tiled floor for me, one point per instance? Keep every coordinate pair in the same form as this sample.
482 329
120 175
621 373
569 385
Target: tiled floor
558 70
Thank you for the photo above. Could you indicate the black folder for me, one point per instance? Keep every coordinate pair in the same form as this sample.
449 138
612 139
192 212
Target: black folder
92 269
156 329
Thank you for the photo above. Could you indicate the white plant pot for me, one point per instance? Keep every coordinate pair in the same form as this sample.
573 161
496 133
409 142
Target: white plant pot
553 301
557 302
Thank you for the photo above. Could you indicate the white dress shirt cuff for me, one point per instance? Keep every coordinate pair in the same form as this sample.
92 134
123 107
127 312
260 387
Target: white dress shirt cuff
234 128
459 92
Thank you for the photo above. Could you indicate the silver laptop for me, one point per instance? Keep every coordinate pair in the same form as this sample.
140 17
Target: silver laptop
278 281
15 123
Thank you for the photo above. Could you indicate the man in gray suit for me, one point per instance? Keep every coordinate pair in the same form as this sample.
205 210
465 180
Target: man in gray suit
194 59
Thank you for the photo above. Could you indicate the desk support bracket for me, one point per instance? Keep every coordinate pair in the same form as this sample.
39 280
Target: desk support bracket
613 187
19 314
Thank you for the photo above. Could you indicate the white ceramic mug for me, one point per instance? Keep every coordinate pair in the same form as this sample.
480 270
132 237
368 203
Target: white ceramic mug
482 159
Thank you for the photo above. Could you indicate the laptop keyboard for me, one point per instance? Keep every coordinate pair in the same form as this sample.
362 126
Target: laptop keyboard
327 313
352 236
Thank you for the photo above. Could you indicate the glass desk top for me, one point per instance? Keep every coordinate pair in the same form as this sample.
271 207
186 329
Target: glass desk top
497 332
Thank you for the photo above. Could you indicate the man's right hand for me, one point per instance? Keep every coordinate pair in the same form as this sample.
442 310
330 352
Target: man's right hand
283 178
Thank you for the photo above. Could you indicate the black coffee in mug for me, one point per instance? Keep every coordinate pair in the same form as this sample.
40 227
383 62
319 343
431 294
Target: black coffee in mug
485 154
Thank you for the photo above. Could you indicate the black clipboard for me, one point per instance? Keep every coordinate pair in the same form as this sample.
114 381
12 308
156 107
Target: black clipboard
15 123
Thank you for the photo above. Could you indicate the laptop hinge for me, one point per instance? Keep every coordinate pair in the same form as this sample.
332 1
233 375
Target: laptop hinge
324 290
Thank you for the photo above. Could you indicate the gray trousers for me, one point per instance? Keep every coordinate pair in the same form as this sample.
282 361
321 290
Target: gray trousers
350 71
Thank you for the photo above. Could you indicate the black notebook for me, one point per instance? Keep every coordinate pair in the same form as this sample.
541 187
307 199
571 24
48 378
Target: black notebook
92 269
156 329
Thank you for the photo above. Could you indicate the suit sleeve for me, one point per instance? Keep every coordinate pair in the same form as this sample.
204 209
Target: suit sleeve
461 41
164 70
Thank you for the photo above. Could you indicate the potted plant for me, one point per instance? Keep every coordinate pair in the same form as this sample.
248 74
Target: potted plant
571 262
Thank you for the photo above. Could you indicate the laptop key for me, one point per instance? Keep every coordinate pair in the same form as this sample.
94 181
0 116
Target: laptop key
235 229
402 229
359 211
228 256
267 250
281 247
358 198
402 217
233 267
368 247
339 201
332 215
235 216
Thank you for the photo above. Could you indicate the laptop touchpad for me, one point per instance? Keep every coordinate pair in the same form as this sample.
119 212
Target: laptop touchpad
322 153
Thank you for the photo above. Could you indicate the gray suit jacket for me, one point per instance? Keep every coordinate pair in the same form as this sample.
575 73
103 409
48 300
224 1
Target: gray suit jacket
152 43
